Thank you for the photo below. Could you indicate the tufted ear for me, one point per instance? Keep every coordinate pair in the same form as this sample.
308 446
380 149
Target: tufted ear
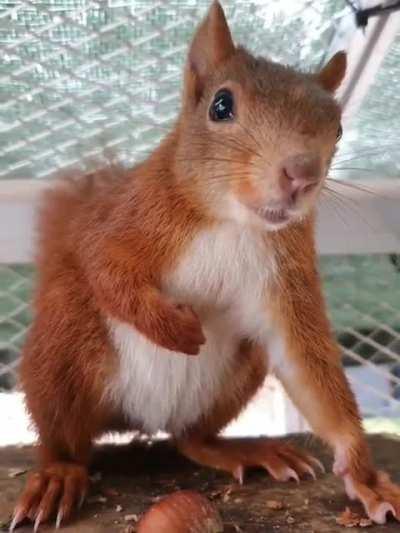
332 74
211 46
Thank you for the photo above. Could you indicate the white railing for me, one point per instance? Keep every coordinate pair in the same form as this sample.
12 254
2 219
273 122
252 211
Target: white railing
368 223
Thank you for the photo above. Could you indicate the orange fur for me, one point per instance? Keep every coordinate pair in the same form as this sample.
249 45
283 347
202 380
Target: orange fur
320 388
107 240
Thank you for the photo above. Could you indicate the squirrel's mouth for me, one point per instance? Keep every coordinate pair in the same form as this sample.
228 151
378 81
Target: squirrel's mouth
274 216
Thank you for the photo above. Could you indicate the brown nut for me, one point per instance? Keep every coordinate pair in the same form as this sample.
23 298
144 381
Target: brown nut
183 511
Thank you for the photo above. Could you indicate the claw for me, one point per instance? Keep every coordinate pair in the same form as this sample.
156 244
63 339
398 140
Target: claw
59 518
37 522
18 516
82 500
317 463
292 474
379 516
238 474
311 471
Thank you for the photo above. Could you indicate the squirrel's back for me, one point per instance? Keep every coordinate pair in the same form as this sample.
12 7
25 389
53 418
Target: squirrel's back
68 206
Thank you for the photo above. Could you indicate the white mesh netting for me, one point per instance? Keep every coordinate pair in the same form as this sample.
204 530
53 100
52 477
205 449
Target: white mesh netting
81 76
15 316
363 297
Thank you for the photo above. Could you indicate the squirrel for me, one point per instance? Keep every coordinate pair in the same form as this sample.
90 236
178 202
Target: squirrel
167 292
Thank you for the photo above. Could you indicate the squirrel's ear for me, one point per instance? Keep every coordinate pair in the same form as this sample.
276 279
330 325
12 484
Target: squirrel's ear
211 45
332 74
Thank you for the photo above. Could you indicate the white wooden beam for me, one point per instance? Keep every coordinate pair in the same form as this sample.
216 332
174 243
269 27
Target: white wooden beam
356 221
18 205
365 52
360 223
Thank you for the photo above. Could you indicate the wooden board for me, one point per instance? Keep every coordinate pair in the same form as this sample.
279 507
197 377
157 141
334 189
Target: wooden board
134 476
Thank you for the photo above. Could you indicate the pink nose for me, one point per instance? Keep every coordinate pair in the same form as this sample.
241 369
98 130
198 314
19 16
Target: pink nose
301 173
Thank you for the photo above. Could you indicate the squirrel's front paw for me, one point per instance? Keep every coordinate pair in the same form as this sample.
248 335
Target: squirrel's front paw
181 330
380 498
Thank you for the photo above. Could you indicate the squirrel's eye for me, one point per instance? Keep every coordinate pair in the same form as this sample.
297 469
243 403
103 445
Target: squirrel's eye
339 133
222 106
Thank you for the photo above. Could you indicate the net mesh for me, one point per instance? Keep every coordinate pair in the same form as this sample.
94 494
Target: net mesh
80 78
15 316
363 299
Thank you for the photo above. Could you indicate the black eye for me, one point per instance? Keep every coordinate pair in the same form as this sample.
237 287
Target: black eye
339 133
222 106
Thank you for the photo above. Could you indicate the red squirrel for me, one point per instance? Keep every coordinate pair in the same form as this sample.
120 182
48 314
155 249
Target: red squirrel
167 292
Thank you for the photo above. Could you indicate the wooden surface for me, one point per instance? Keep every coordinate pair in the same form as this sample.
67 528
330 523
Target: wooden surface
134 476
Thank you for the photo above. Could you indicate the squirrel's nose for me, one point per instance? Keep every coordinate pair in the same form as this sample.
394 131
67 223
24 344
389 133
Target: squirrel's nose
300 173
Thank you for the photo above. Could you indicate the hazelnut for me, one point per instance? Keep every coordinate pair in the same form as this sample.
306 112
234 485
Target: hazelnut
183 511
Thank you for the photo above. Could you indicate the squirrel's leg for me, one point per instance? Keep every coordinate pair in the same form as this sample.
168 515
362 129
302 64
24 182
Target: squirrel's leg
55 489
65 366
306 358
132 296
200 444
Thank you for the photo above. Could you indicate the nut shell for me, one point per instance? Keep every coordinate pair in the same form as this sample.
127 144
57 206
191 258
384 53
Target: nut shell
183 511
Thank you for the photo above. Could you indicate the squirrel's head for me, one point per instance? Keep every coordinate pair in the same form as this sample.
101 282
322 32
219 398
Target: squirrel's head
255 137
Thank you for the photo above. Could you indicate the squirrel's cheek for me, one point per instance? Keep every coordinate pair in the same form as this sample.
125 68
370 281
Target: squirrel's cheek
246 192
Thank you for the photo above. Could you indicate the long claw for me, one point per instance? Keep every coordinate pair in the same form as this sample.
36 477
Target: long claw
379 516
238 474
37 522
18 516
292 474
59 519
82 500
317 463
311 471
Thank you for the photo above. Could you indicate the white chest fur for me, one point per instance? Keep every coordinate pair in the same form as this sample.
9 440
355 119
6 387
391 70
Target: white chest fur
223 275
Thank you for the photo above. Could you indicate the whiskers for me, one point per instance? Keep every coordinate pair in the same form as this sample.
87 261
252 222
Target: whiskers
344 203
345 195
366 156
244 156
236 157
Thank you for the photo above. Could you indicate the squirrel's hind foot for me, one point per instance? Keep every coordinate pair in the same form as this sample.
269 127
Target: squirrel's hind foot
282 461
53 491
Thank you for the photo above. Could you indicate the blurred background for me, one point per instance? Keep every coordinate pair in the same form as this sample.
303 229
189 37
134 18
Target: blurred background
82 79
